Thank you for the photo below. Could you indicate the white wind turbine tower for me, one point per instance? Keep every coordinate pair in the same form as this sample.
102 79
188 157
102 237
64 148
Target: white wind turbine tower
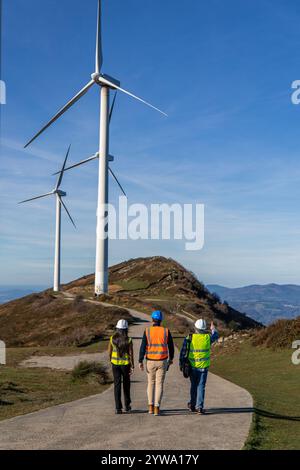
59 194
96 155
106 83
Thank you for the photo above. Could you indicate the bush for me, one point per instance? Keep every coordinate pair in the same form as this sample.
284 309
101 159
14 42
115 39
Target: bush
87 369
280 334
234 326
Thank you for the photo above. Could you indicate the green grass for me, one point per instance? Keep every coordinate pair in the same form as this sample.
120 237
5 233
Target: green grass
274 383
133 284
24 390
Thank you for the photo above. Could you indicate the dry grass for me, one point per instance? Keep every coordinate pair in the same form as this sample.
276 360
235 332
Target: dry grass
280 334
48 320
86 369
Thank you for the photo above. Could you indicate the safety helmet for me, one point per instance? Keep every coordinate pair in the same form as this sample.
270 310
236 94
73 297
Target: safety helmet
200 324
157 315
122 325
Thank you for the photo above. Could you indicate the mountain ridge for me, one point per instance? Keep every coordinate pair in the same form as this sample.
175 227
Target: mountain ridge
265 303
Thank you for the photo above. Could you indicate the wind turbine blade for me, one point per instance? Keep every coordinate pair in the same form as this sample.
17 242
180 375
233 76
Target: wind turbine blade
94 157
61 173
118 182
63 110
99 54
105 81
112 107
37 197
65 207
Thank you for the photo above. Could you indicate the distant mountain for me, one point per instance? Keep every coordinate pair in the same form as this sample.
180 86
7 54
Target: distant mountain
8 293
264 303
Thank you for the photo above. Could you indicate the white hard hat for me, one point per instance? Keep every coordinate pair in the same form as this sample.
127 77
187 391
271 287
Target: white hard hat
200 324
122 325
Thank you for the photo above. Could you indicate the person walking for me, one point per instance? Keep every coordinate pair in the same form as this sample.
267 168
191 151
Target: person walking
158 348
197 349
120 352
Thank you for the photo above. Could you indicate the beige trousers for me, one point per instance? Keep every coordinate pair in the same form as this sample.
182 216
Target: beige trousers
156 372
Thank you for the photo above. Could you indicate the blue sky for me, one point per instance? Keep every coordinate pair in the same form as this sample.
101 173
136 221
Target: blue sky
223 73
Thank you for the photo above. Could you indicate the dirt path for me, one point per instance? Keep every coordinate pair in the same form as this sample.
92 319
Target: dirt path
63 362
90 423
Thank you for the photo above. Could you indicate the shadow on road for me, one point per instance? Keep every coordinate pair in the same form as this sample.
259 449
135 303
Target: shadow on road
216 411
258 411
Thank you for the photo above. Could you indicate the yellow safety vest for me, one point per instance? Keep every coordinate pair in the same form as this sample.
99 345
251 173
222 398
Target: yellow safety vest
199 355
115 358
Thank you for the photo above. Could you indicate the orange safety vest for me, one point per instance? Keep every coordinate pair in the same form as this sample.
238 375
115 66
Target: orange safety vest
157 343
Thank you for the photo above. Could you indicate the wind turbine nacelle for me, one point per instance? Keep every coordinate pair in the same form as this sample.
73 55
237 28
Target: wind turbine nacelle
61 193
106 80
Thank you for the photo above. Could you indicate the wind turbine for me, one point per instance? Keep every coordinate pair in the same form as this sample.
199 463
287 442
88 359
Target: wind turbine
106 83
96 156
59 194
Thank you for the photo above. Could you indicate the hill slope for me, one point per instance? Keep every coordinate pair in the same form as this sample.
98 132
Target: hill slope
73 317
280 334
265 303
158 282
48 320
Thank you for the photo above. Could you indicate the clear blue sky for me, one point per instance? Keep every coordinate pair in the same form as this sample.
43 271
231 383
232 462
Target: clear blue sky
222 71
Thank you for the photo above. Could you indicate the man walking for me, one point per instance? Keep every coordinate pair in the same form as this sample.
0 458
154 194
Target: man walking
157 345
197 349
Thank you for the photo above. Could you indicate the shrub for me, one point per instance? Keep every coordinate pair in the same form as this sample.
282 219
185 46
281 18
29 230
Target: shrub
87 369
280 334
234 326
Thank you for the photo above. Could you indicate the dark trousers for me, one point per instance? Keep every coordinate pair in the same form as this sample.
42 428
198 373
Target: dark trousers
119 373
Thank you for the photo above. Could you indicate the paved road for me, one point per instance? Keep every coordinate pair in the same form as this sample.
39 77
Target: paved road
90 423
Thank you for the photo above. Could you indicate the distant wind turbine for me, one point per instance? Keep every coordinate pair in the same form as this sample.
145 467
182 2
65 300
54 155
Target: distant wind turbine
106 84
59 194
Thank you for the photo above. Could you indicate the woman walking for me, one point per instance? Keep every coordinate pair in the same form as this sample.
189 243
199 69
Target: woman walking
121 356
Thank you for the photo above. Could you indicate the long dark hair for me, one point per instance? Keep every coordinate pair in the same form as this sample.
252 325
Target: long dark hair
121 342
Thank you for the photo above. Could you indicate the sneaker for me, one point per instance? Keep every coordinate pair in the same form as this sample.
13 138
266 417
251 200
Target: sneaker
201 411
118 412
128 409
151 410
191 408
156 411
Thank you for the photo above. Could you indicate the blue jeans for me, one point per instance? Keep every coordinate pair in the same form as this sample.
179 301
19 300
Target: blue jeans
198 379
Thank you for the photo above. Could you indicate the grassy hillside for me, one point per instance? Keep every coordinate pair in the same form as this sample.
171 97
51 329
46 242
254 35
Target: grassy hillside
272 379
46 319
25 390
278 335
158 282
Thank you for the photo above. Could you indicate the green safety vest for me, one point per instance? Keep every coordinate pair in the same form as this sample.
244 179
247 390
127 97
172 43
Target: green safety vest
115 358
199 355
